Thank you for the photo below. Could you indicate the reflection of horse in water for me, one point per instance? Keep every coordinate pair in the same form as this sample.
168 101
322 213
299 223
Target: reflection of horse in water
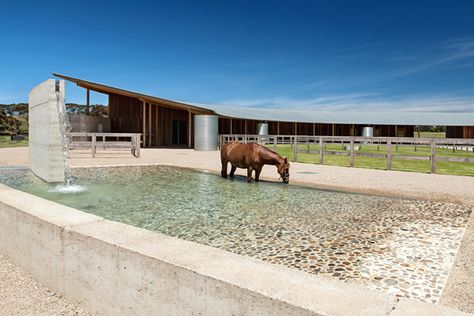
252 157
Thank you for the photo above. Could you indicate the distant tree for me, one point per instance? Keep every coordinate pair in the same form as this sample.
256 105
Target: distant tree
99 110
75 108
434 129
9 125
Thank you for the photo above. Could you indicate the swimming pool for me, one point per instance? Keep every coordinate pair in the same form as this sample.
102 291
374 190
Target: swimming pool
400 246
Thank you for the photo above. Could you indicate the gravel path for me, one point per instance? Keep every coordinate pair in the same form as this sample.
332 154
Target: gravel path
21 294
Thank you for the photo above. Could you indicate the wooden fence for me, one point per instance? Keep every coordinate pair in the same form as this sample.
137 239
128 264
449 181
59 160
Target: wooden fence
94 141
350 145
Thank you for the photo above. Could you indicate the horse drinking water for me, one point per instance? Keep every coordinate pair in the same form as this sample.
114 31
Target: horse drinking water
252 157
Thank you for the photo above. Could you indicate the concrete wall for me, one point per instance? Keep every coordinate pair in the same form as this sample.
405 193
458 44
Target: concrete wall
112 268
83 123
45 140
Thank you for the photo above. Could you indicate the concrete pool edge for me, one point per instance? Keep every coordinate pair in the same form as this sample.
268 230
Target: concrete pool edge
109 267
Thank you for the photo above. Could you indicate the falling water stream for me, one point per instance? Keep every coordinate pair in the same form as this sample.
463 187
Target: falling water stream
70 185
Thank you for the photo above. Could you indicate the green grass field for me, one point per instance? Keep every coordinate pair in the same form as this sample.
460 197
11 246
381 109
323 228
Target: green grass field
430 135
5 141
442 167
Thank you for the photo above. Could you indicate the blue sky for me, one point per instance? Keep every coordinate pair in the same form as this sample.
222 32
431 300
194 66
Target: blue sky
384 55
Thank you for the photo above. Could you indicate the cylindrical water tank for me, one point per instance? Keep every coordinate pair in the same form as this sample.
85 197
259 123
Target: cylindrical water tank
206 132
262 129
368 132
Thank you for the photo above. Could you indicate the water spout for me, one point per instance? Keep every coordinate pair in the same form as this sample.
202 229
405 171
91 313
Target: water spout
69 185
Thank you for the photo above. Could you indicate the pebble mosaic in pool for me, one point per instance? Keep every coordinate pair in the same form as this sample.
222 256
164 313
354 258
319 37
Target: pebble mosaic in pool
401 246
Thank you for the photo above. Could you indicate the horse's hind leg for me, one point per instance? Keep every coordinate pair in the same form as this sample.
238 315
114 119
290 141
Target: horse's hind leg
257 174
224 169
249 174
232 171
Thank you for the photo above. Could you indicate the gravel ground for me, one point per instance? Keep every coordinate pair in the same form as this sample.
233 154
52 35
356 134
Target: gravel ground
21 294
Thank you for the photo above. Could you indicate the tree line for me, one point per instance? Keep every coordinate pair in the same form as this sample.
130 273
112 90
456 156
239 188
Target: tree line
14 116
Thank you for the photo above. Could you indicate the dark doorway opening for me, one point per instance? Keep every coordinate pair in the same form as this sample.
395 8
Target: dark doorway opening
180 129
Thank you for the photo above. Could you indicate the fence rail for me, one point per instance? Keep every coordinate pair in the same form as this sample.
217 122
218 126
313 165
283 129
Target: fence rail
351 146
94 141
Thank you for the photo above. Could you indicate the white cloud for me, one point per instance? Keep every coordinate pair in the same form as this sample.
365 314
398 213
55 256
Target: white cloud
364 102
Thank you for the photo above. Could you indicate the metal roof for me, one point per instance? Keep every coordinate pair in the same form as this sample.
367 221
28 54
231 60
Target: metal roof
290 115
344 117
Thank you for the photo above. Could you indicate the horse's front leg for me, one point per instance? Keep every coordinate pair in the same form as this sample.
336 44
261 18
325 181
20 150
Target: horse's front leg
232 171
224 169
249 174
257 173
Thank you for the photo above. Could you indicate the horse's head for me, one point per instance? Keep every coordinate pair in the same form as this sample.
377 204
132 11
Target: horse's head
284 170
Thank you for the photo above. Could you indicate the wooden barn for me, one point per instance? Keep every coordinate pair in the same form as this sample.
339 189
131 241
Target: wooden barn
166 123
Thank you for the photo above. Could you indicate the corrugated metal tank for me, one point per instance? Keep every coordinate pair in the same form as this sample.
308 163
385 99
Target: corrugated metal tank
368 132
206 132
262 129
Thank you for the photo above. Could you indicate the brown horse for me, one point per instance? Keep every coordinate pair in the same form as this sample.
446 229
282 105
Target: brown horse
252 157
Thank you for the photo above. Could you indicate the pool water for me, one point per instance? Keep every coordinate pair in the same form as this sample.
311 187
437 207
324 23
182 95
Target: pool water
401 246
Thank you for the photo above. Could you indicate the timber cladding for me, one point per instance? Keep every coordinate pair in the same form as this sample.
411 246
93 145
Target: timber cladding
468 132
124 114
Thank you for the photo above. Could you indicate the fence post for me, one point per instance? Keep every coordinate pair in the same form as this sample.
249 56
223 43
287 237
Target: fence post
275 140
295 147
389 154
137 146
93 145
351 153
433 156
321 150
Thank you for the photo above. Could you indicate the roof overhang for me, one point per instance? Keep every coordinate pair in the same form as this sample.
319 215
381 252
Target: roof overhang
101 88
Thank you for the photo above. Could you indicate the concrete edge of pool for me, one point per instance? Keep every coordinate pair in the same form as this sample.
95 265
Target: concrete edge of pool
110 268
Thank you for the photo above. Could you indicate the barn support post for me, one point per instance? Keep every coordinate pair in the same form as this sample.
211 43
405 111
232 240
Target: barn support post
278 128
230 126
144 123
149 124
156 126
88 102
190 122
